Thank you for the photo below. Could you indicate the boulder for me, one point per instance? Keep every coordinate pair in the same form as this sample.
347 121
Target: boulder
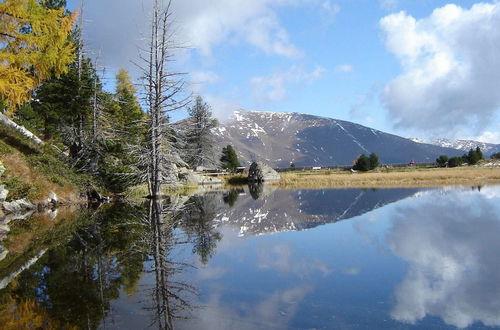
19 206
260 172
3 193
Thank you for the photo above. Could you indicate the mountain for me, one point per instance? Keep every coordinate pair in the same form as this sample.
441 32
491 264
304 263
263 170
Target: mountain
465 145
306 140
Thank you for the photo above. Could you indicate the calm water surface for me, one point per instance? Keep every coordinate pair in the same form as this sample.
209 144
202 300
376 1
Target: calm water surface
263 259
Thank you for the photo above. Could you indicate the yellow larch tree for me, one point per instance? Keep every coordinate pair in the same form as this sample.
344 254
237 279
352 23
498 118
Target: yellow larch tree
34 45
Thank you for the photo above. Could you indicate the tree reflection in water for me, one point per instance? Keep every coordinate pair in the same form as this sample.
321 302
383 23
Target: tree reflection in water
197 222
75 283
170 295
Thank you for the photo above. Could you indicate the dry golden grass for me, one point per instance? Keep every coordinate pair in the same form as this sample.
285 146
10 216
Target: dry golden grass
17 166
395 178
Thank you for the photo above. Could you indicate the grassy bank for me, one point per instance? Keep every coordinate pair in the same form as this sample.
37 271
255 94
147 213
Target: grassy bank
33 171
406 177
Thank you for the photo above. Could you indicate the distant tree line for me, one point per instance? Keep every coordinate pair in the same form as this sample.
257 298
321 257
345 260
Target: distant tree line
495 155
471 158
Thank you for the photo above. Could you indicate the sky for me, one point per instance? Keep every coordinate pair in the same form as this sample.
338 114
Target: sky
427 69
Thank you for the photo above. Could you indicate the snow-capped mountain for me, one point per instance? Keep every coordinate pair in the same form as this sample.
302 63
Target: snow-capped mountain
281 138
466 145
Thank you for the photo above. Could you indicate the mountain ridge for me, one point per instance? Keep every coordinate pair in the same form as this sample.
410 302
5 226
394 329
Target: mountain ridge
280 138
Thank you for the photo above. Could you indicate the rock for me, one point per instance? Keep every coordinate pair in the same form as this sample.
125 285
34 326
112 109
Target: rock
4 228
188 176
3 252
2 168
18 206
260 172
3 193
94 196
53 198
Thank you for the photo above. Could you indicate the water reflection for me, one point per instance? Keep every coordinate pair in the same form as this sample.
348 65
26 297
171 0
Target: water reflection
407 258
451 244
73 284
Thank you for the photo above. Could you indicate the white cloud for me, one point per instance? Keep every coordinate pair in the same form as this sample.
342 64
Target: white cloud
451 68
345 68
274 87
201 78
221 108
119 27
451 251
488 137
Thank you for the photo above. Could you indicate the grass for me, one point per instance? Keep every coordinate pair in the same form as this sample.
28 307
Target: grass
33 171
405 177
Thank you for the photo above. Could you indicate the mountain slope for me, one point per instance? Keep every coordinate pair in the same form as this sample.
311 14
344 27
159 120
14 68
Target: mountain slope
281 138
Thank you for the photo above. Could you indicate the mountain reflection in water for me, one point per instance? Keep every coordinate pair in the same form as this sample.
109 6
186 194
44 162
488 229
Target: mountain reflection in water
407 258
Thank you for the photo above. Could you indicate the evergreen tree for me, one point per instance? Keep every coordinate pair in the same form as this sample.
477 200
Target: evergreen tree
362 163
229 158
442 161
479 153
374 161
200 139
455 161
495 155
474 156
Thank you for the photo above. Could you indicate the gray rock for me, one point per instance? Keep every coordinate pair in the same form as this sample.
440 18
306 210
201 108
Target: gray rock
3 252
18 206
3 193
260 172
188 176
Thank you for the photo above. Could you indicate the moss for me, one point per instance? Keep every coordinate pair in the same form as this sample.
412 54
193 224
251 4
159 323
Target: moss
19 189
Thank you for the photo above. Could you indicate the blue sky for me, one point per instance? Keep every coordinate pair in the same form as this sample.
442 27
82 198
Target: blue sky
414 68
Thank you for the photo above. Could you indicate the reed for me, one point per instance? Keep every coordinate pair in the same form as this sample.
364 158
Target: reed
393 178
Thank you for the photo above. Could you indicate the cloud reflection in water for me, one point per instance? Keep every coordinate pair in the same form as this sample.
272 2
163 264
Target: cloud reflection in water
452 246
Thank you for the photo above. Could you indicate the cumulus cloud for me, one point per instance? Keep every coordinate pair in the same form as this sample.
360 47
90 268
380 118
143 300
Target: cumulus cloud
451 67
274 87
452 253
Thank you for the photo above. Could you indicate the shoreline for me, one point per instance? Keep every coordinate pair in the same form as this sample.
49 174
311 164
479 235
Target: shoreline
428 177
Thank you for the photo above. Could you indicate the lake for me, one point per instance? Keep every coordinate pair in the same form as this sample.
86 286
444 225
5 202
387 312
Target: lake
260 258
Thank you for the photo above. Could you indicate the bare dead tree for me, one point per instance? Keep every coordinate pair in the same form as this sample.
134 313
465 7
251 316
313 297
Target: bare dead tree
163 94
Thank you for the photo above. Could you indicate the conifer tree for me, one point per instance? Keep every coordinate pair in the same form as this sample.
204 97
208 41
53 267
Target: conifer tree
199 138
229 158
374 161
362 163
34 46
